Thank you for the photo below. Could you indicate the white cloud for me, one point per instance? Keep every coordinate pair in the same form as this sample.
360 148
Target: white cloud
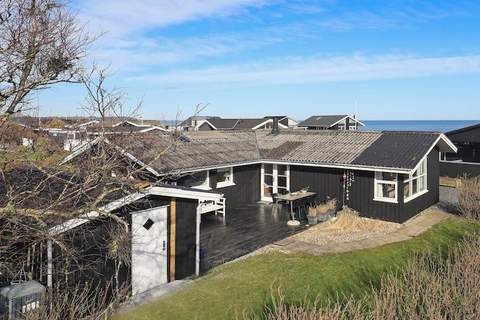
318 70
121 17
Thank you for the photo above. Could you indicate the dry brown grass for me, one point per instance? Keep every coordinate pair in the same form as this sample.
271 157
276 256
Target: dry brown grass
469 198
348 220
431 287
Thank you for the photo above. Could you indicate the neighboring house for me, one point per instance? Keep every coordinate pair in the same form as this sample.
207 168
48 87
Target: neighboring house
72 138
238 124
285 120
466 162
192 123
209 123
331 122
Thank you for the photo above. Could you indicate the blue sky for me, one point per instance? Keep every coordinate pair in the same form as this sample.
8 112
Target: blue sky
382 59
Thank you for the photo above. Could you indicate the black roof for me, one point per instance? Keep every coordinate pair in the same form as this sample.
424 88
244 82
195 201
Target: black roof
470 134
464 129
322 121
397 149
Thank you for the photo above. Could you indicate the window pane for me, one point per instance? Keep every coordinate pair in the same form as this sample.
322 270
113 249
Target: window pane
223 175
282 170
282 182
386 176
386 190
422 183
282 191
268 168
406 189
414 186
269 180
196 179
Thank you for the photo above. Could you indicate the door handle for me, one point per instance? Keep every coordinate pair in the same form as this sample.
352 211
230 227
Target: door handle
164 245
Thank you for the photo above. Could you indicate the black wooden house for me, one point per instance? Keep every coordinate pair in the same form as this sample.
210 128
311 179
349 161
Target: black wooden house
466 162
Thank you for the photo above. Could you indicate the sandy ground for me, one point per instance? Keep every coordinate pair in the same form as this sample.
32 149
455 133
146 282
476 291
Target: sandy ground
346 227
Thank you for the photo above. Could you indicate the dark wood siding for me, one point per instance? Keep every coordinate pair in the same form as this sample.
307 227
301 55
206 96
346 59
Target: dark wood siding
328 182
185 248
458 169
246 189
361 199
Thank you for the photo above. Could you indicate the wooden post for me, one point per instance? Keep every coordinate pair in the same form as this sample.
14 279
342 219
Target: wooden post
49 264
173 235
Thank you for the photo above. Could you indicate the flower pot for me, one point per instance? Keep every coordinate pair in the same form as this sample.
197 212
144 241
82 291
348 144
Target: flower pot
312 220
323 217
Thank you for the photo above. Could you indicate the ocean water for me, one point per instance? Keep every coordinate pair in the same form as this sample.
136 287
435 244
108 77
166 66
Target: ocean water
417 125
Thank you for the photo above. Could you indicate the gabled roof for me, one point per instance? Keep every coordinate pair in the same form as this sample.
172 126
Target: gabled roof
464 129
469 135
188 122
223 124
326 121
240 123
194 151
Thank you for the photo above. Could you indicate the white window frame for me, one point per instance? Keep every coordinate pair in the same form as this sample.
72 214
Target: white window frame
231 181
411 178
378 181
275 176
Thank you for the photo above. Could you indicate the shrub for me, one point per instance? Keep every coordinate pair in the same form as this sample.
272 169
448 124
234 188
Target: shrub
469 198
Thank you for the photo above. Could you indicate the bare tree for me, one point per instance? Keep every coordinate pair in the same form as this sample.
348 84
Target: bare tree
102 101
41 43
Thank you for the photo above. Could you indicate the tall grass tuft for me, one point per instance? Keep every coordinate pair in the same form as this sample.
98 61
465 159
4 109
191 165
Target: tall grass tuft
469 198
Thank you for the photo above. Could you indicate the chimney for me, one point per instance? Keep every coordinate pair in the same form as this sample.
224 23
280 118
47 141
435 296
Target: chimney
275 129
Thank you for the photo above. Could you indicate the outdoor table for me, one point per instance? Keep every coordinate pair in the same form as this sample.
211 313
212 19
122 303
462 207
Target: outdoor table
294 196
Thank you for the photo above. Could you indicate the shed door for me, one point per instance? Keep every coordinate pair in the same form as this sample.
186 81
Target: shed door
149 249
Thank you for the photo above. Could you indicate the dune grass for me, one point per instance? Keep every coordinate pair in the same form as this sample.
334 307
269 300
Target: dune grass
246 286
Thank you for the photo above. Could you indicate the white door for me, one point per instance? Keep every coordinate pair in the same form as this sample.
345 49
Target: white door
149 249
275 178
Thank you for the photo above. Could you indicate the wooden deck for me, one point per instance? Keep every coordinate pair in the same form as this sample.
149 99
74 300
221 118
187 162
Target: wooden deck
248 228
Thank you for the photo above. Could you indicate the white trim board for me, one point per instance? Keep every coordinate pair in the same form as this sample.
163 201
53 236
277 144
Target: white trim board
160 191
460 162
350 117
268 121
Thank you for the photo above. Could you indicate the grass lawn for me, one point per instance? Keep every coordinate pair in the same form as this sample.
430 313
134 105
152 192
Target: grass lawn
246 286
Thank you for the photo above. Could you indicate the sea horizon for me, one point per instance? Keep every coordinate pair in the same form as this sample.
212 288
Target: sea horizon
416 125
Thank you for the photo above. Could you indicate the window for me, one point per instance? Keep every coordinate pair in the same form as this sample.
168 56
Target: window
148 224
385 187
225 177
199 180
416 184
